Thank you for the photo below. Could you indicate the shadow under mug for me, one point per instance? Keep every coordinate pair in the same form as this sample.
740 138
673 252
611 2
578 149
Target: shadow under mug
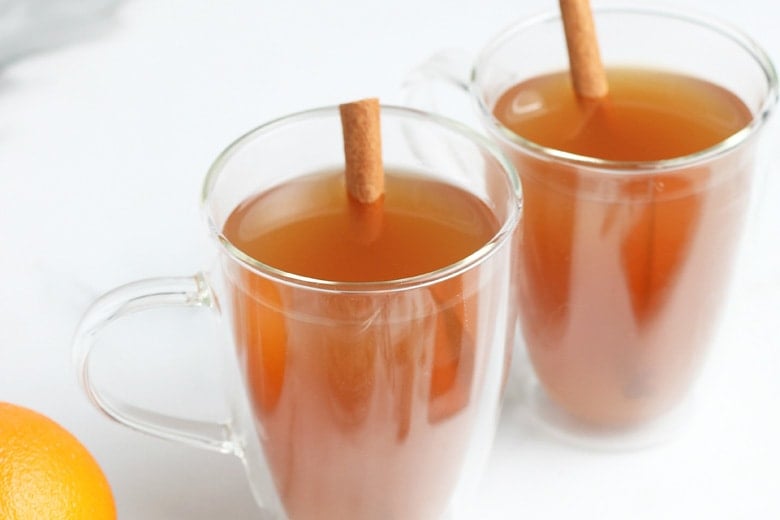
623 267
352 400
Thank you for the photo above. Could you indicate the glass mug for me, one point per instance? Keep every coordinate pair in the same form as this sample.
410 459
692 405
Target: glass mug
337 414
623 266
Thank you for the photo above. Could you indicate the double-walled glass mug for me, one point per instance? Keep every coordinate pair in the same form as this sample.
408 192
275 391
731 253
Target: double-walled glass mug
359 399
623 265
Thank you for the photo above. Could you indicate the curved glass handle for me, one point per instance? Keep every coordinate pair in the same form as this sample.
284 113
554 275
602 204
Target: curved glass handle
191 291
450 67
422 89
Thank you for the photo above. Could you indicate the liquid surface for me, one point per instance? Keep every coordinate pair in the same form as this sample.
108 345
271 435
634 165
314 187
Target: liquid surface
309 227
647 116
622 275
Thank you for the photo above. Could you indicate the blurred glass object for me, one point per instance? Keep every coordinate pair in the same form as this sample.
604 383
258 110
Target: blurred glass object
30 26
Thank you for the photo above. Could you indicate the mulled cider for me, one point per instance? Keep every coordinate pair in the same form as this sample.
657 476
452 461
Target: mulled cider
364 399
623 267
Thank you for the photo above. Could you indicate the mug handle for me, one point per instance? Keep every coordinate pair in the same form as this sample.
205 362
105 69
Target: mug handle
451 68
144 295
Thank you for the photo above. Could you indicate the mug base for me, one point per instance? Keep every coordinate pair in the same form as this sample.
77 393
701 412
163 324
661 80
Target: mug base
553 420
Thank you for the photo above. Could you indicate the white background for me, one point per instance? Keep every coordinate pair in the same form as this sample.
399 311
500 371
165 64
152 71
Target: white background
103 146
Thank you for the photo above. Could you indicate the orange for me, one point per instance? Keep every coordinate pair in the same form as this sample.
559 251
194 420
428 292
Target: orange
46 473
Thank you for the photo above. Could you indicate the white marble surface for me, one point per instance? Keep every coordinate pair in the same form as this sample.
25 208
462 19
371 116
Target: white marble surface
103 145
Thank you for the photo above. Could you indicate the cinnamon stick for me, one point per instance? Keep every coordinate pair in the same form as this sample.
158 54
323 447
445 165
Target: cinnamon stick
363 150
364 171
587 71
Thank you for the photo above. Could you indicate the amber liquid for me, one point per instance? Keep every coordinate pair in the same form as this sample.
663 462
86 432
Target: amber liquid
622 274
363 401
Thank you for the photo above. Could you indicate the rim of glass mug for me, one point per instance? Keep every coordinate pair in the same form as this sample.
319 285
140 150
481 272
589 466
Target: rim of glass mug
503 234
728 31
